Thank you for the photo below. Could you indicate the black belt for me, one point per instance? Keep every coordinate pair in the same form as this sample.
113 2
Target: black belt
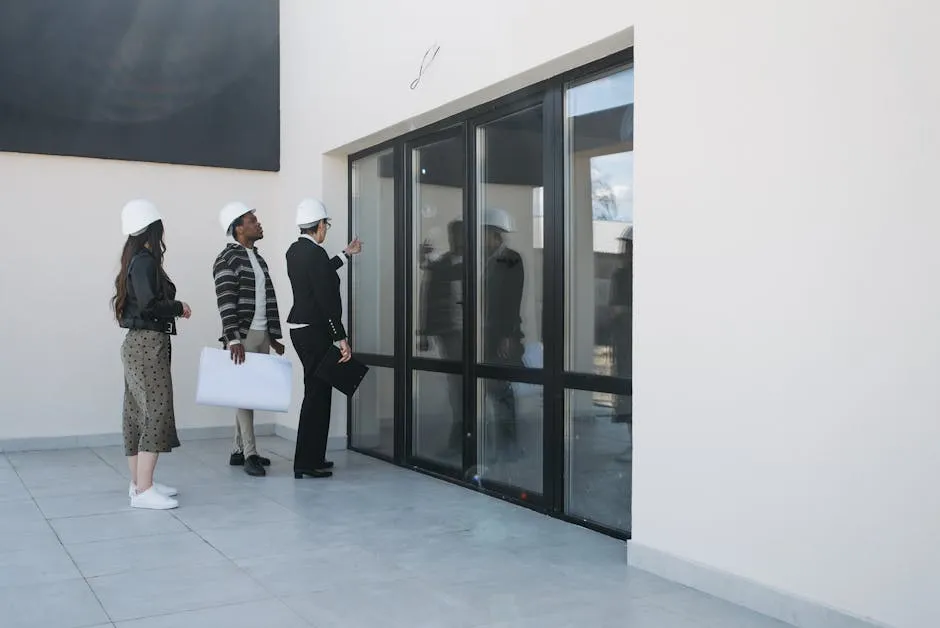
165 327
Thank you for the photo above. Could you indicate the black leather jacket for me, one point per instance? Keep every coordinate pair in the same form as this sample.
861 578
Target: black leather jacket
150 302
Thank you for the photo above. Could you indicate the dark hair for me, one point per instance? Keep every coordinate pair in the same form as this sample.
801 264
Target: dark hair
152 236
312 228
238 222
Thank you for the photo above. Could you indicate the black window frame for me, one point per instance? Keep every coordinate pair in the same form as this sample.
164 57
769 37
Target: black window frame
556 381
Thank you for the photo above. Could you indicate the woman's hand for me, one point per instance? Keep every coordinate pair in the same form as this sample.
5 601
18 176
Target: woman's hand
354 247
187 312
345 351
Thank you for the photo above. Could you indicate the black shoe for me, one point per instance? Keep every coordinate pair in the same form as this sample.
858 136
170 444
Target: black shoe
238 459
326 464
314 473
253 467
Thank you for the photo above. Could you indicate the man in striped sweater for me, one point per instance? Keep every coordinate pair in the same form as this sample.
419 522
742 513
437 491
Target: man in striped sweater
250 318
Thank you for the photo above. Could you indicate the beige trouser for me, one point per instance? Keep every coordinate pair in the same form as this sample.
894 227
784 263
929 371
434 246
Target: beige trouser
256 342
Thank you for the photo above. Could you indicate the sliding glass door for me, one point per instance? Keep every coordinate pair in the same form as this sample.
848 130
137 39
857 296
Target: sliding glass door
494 297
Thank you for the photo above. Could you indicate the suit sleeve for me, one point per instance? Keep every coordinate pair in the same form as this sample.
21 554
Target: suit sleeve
323 279
516 281
143 276
226 295
337 262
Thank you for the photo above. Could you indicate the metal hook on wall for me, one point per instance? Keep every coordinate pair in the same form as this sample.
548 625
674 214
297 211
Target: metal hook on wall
429 55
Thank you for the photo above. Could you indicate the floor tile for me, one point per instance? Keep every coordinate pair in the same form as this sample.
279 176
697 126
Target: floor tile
327 568
713 612
174 590
133 523
53 458
13 491
268 539
106 502
373 546
67 604
390 605
41 539
21 517
251 615
59 484
36 566
103 558
237 513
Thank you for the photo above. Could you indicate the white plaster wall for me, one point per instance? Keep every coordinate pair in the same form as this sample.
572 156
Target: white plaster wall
786 308
61 368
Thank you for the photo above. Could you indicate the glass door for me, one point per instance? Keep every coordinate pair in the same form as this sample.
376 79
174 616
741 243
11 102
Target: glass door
372 292
493 298
436 202
509 302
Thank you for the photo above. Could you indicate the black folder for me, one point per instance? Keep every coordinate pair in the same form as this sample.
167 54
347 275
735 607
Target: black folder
344 377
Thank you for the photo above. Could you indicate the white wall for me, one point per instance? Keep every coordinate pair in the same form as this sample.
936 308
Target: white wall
61 372
786 352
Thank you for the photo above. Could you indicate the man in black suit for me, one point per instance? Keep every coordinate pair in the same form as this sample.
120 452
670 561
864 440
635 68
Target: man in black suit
316 323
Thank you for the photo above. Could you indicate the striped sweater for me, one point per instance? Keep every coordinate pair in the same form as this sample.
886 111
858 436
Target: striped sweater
235 293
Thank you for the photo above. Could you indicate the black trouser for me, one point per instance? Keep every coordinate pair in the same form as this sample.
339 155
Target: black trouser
313 430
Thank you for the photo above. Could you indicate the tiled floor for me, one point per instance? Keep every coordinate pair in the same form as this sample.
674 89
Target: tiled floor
373 546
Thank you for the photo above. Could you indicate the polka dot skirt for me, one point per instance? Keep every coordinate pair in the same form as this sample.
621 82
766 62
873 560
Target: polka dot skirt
149 419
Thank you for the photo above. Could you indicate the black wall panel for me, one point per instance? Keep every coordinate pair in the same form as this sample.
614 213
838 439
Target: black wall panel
174 81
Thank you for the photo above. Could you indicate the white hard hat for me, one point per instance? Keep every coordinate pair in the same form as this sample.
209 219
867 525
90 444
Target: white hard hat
498 219
137 215
232 212
309 212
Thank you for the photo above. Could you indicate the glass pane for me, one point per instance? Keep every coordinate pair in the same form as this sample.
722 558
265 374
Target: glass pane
373 213
599 220
373 412
510 237
598 433
438 418
437 181
509 445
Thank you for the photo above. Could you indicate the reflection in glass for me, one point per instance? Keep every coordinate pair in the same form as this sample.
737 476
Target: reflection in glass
510 249
438 418
599 469
509 290
437 215
373 416
599 225
373 220
509 445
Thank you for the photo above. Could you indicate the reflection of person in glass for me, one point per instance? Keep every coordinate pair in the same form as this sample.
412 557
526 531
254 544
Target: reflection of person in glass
442 318
621 302
503 282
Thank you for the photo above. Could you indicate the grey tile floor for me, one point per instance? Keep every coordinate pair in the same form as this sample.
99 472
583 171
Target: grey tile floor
373 546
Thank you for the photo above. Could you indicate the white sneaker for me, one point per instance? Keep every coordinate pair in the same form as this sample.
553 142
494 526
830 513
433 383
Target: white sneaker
169 491
153 500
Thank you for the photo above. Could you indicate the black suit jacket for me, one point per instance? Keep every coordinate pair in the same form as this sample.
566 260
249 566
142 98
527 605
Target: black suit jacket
502 303
315 285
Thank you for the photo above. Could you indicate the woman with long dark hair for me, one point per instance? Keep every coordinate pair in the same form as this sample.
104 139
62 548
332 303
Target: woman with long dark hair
145 304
